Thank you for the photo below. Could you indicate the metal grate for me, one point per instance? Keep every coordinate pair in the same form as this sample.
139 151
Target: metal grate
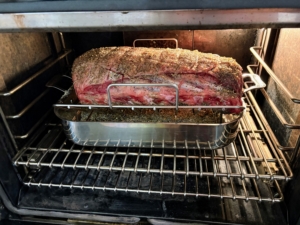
112 175
248 168
222 173
232 158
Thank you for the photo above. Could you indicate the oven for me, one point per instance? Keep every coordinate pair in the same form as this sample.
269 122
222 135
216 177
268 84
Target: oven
47 178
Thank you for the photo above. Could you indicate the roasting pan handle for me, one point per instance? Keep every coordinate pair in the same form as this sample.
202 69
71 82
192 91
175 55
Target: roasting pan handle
256 79
143 85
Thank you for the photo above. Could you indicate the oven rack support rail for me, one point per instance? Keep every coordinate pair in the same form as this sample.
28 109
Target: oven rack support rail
31 104
256 51
61 56
279 83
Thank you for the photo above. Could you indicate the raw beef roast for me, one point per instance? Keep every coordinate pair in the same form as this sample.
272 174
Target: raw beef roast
202 78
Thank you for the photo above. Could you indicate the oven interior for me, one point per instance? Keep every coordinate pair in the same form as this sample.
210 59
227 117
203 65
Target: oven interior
249 181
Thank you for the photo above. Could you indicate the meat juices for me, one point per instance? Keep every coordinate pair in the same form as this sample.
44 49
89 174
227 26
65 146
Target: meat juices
202 78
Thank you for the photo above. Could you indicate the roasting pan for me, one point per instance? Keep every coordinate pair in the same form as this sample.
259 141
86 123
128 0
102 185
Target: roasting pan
147 134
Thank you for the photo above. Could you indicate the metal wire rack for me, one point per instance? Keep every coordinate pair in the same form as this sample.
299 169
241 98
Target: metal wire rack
242 170
155 183
69 155
253 149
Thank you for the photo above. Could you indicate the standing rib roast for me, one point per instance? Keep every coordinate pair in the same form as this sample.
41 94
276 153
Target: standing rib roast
202 78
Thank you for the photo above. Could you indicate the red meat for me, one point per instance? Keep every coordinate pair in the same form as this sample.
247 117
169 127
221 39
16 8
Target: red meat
202 78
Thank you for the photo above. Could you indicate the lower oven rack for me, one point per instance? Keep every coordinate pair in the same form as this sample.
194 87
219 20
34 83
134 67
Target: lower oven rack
251 168
157 184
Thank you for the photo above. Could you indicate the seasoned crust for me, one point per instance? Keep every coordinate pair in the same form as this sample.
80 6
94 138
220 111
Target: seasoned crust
116 64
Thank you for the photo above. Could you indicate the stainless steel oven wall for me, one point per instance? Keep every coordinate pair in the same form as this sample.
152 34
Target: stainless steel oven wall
22 56
20 53
286 66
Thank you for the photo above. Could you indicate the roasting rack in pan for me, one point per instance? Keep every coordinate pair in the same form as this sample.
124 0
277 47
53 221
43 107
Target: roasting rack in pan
210 135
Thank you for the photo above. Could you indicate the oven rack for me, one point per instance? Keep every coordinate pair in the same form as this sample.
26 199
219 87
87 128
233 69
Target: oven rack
227 173
53 150
156 184
253 149
73 156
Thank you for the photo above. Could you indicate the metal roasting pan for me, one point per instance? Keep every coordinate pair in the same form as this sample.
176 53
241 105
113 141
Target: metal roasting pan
149 135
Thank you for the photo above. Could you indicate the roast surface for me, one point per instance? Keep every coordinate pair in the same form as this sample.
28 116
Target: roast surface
202 78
